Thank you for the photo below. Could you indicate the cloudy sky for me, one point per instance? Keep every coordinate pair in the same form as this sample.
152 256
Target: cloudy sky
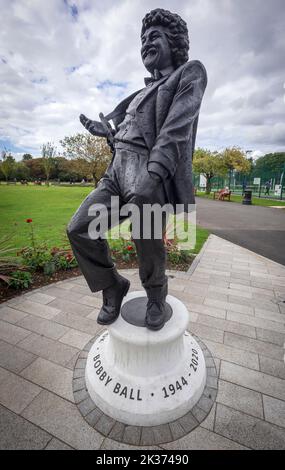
60 58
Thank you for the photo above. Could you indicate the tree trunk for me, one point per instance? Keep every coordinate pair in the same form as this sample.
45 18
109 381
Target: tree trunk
208 184
95 179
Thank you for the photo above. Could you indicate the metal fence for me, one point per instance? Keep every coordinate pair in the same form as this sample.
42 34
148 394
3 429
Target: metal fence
264 184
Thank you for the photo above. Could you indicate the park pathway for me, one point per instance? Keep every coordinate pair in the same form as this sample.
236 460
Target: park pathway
236 306
260 229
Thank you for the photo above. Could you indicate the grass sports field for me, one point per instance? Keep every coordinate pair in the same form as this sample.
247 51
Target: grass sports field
50 208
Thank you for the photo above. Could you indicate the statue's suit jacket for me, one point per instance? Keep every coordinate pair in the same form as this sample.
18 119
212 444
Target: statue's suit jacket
167 117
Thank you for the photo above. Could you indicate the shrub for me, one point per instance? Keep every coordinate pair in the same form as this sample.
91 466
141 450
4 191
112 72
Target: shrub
20 280
47 260
8 263
36 258
124 249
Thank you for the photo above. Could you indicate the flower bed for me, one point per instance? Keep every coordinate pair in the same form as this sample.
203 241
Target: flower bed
38 265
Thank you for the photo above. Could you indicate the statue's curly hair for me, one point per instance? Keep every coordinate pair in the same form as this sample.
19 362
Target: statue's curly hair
177 33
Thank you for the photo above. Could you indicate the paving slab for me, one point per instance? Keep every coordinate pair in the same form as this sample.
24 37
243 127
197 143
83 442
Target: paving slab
235 355
48 348
109 444
204 309
209 422
67 306
272 367
253 380
203 439
207 332
77 323
274 410
91 301
254 345
268 314
57 292
16 393
75 338
37 309
271 336
41 298
74 287
255 321
16 433
14 359
56 444
50 376
235 307
61 419
247 430
11 315
11 333
43 327
226 325
240 398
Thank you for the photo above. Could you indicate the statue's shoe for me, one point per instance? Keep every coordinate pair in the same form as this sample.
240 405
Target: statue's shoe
155 314
112 301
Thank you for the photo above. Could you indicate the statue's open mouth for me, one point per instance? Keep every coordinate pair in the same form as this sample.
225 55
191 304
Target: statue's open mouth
151 52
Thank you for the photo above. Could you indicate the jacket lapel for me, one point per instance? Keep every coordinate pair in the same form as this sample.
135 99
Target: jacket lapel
152 89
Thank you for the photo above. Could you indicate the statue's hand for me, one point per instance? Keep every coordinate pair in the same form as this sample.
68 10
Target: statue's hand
94 127
85 121
147 188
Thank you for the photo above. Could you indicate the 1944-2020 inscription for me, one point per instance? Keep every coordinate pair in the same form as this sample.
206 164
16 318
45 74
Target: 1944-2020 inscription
136 394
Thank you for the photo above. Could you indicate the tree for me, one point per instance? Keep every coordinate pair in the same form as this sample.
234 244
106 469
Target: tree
233 158
26 157
91 154
35 168
7 164
21 171
66 170
208 164
270 166
48 156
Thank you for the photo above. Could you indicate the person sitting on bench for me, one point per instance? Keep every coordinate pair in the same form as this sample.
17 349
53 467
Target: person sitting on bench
224 193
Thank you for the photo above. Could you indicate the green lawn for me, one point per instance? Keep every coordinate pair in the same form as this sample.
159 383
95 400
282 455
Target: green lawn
50 208
255 200
201 236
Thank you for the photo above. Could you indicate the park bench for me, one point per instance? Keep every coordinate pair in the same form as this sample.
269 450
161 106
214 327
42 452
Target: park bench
221 194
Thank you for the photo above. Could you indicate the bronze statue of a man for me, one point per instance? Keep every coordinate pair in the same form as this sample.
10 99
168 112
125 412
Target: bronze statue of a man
153 140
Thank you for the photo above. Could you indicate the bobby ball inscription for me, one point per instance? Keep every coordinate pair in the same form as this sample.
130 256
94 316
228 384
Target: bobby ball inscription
131 393
117 388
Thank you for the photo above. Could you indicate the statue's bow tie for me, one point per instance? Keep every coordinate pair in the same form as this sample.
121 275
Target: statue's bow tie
156 76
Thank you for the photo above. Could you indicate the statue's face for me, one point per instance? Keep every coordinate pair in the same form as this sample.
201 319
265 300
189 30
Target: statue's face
155 50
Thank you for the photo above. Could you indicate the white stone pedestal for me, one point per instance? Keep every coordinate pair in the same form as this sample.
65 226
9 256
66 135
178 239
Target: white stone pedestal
146 378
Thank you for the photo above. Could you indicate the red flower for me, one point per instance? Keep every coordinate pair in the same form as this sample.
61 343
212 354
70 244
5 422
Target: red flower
129 248
29 221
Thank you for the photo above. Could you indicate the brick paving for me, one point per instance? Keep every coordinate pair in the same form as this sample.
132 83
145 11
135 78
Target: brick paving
236 306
